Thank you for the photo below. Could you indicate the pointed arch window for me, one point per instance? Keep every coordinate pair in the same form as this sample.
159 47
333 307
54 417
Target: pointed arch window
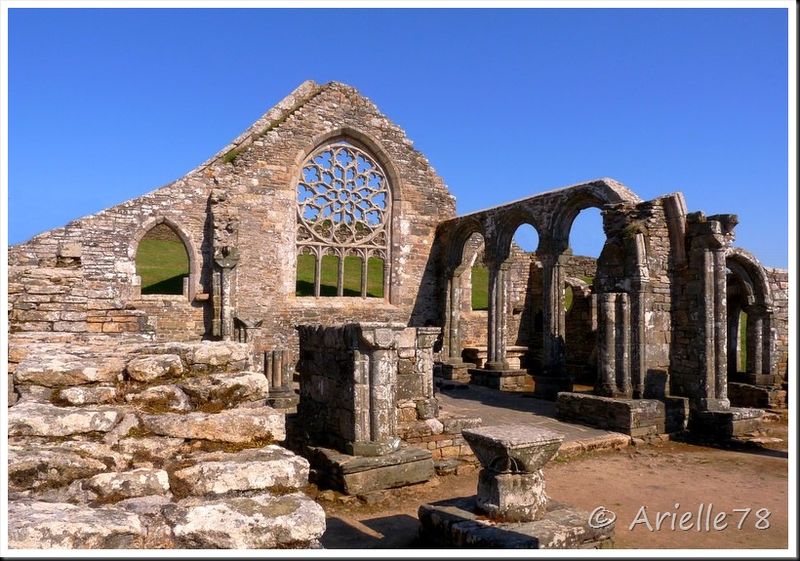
343 223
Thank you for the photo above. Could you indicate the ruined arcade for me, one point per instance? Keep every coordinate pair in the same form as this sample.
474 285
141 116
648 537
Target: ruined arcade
328 296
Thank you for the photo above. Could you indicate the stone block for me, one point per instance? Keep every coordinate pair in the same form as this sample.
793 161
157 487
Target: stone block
354 475
235 425
458 523
39 419
256 522
512 497
257 469
40 525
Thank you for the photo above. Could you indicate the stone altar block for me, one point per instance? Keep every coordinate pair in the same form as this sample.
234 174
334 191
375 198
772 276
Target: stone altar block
511 494
348 402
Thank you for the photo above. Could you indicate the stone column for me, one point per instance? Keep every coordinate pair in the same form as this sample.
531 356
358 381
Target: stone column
340 276
721 326
225 221
511 485
623 337
496 355
454 319
426 338
378 344
553 315
606 354
755 340
638 347
276 370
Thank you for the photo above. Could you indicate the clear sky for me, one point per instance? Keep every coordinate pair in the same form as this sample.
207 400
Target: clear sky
107 104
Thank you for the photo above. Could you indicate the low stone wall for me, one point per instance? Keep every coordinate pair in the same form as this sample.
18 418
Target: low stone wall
441 436
635 417
118 442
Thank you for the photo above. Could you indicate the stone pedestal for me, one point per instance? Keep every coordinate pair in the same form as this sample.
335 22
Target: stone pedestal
548 387
455 371
511 494
505 380
725 423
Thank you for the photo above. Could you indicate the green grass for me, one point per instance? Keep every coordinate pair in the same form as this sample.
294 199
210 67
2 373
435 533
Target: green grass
480 288
330 275
162 264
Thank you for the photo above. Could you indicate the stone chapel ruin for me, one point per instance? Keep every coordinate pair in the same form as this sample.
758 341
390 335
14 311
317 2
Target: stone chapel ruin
327 288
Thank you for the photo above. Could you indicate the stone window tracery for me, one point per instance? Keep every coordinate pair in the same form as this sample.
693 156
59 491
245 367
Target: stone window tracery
343 216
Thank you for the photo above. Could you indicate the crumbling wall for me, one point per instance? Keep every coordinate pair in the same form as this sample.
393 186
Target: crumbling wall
779 287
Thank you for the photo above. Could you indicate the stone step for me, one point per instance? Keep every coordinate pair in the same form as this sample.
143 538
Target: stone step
117 486
42 419
256 469
233 425
42 525
259 521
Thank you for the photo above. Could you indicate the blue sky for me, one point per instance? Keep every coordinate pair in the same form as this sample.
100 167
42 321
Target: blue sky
105 105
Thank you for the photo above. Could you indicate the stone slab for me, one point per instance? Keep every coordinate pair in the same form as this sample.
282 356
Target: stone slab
729 423
354 475
457 523
635 417
759 396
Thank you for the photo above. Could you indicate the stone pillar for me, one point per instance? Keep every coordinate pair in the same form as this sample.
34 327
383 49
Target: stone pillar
553 316
708 239
606 355
496 347
428 407
378 345
511 485
454 319
721 326
623 336
276 371
225 222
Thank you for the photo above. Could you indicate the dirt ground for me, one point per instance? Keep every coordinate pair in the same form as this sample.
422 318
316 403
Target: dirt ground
655 476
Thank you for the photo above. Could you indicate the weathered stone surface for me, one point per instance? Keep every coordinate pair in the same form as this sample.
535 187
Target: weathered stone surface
39 394
161 398
260 521
635 417
150 449
247 386
111 487
37 468
38 419
512 497
63 369
39 525
129 422
356 475
248 470
458 523
239 425
12 393
513 448
96 450
87 395
149 368
218 355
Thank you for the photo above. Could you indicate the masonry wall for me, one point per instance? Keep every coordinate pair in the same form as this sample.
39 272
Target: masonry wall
779 286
